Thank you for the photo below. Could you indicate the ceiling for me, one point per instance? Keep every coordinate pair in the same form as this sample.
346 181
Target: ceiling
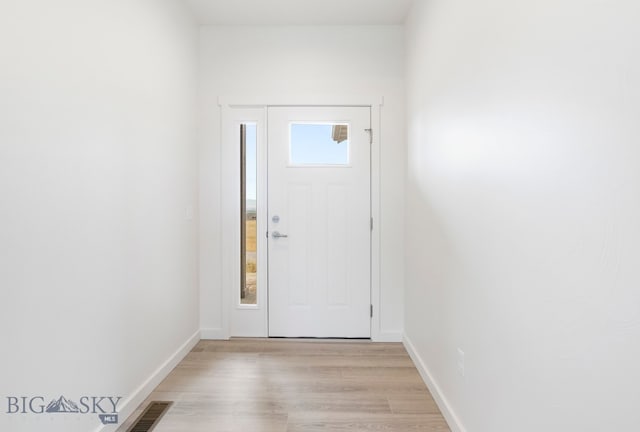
300 12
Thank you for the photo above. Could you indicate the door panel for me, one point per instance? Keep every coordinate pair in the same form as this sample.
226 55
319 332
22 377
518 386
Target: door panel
319 204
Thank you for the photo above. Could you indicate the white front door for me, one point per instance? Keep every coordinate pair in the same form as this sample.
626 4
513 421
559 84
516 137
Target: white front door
319 212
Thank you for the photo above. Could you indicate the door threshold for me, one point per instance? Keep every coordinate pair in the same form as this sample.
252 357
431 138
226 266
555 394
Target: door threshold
302 339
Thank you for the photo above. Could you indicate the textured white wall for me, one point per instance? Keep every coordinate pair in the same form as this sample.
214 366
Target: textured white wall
98 168
245 62
523 208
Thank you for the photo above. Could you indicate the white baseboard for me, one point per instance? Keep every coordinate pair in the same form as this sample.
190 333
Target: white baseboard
389 337
213 334
146 388
445 407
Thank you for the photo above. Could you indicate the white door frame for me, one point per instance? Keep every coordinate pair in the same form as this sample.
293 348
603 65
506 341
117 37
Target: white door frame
242 320
231 109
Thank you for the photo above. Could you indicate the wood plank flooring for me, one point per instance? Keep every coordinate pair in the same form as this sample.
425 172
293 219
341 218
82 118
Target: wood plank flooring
275 385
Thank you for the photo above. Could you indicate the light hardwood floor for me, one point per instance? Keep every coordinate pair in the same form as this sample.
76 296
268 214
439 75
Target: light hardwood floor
275 385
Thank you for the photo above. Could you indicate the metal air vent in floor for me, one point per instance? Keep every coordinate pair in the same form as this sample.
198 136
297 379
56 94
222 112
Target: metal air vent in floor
150 416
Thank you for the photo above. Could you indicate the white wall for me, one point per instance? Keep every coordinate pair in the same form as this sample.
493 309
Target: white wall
98 168
264 62
523 208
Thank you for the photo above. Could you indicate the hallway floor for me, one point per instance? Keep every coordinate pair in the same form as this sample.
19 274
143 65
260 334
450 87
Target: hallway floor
276 385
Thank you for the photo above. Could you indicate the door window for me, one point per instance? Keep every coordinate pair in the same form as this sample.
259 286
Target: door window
249 214
319 144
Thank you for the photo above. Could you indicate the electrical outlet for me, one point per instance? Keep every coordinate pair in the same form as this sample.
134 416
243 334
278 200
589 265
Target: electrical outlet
460 362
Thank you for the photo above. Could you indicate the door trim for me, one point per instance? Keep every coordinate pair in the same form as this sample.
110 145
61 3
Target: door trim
229 191
250 320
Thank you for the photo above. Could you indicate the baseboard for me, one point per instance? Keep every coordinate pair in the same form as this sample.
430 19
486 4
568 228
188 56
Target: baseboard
445 407
389 337
213 334
144 390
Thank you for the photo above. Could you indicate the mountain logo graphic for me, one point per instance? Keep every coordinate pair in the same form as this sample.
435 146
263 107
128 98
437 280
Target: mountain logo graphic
62 405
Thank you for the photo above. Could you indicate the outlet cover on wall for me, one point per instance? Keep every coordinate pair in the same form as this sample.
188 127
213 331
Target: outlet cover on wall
460 362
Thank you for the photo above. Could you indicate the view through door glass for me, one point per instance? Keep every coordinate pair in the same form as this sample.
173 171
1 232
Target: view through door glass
249 212
319 144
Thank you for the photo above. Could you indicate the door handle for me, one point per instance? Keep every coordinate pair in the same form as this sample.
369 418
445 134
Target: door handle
276 234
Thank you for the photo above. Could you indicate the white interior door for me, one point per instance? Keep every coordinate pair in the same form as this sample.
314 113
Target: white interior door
319 213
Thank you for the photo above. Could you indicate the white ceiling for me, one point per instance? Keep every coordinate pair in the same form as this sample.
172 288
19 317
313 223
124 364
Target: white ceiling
300 12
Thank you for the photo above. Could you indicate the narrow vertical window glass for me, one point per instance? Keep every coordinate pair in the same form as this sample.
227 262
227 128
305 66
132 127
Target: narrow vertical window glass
249 214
